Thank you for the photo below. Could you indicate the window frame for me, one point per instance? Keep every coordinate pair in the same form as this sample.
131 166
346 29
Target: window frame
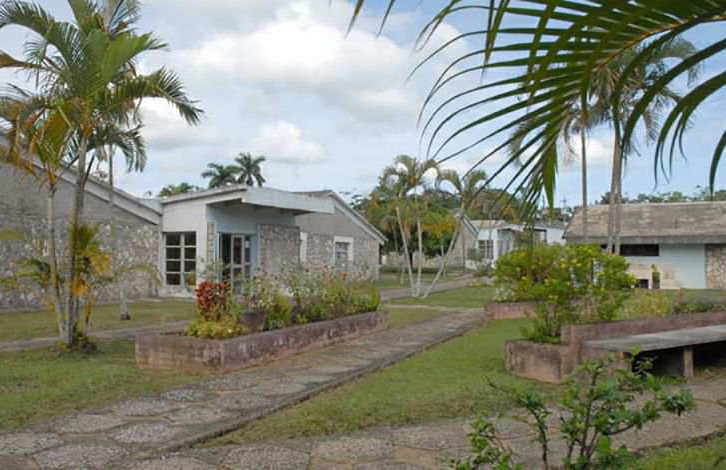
349 241
187 245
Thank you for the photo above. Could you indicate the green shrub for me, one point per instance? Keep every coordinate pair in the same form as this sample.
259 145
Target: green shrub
645 303
225 327
573 283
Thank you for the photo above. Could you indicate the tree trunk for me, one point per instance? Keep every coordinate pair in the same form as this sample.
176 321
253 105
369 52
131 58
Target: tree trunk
405 250
76 220
444 260
420 254
124 307
55 292
619 193
613 192
585 228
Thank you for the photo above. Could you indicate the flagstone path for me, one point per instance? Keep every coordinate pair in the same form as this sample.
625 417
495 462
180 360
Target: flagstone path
430 446
136 429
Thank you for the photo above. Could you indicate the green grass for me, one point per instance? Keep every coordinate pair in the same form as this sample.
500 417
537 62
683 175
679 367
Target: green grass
448 381
389 280
38 385
466 297
26 325
710 455
404 316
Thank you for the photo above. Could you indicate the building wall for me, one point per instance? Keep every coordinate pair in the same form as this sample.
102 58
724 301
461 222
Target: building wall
465 242
716 266
681 266
279 249
23 209
321 231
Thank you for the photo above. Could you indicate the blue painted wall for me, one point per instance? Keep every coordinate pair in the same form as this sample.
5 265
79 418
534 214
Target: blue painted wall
688 261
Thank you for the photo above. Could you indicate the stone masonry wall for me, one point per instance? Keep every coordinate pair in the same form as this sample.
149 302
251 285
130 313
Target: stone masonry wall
716 266
320 255
279 249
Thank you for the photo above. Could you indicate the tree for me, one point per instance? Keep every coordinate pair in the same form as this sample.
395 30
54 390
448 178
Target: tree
250 169
548 60
175 189
467 189
82 71
220 175
409 175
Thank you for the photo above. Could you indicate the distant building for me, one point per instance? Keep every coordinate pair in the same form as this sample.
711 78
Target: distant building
684 242
484 241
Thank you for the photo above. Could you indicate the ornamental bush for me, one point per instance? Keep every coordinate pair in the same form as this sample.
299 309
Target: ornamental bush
573 284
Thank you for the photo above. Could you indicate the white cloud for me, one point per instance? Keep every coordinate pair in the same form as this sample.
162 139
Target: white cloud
282 142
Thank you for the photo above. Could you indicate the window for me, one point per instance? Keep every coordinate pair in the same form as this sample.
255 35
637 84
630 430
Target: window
486 248
639 250
303 247
341 253
180 251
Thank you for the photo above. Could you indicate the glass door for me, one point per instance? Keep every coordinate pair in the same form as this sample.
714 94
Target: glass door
235 251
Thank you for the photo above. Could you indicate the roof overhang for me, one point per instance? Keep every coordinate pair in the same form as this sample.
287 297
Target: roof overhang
256 197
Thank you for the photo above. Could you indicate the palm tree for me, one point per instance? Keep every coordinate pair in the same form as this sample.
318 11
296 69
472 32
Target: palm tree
467 190
220 175
83 76
250 169
551 58
409 175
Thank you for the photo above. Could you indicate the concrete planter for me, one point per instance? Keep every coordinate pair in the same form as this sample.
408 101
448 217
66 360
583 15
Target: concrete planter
188 353
552 363
509 310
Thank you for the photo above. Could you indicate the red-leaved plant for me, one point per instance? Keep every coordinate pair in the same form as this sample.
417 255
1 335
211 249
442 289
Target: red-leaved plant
212 299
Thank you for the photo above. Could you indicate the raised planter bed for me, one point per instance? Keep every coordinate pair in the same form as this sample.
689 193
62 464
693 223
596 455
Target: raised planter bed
552 363
174 351
509 310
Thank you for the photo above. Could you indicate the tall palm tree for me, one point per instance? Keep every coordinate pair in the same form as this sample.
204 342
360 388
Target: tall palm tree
551 57
467 190
174 189
409 174
220 175
81 71
250 169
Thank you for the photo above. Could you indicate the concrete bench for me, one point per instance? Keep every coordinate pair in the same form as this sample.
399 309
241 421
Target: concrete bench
674 348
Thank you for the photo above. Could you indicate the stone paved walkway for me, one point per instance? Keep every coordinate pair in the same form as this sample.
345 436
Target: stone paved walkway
123 433
432 446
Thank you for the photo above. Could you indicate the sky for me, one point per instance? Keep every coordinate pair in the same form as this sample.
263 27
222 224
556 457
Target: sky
281 78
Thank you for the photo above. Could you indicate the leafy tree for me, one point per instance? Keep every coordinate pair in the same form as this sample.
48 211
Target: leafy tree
174 189
550 58
220 175
250 169
85 77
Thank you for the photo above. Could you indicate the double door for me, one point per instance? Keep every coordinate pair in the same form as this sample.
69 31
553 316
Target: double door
235 251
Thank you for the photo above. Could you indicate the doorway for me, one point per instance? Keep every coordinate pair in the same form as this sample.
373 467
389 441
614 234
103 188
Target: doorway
235 251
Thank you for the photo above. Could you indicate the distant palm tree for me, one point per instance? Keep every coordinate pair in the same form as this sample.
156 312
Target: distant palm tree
250 169
221 175
174 189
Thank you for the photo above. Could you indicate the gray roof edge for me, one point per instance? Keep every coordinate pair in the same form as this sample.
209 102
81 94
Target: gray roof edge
356 217
652 240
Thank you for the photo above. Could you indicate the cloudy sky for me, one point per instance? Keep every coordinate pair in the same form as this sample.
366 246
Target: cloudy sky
281 79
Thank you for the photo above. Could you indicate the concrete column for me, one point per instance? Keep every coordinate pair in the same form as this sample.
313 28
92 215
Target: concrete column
688 369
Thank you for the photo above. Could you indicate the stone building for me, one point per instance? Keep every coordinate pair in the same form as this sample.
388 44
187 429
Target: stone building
685 243
245 230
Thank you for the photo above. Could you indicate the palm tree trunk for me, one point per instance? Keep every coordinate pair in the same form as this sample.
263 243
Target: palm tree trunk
124 307
444 260
613 194
55 292
405 250
76 219
420 254
618 209
585 231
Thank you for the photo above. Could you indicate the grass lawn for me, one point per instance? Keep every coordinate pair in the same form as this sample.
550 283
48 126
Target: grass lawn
39 385
388 280
447 381
466 297
404 316
710 455
28 325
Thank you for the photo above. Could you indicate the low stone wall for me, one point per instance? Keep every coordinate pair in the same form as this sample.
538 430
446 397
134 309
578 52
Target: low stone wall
509 310
182 352
553 363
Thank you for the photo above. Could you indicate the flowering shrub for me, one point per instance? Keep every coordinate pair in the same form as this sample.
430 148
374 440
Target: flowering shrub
264 296
574 284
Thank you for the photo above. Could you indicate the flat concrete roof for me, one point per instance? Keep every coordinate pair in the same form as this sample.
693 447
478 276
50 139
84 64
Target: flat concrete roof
255 196
662 340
